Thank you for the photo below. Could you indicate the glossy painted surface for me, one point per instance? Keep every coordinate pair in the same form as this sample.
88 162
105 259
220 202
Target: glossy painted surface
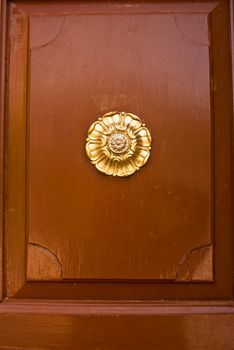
109 326
153 65
2 134
158 225
60 324
81 225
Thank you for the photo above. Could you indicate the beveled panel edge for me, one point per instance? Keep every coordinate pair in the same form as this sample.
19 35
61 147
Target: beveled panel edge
222 119
119 290
36 8
16 110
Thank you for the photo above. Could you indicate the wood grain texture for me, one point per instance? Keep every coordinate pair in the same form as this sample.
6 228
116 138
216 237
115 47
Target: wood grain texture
222 127
100 227
231 9
77 7
43 262
196 265
16 149
2 123
192 325
53 219
116 326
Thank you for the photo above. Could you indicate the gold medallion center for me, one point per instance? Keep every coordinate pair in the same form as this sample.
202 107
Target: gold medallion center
118 143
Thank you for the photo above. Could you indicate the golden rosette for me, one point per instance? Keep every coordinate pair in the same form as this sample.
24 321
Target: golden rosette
118 143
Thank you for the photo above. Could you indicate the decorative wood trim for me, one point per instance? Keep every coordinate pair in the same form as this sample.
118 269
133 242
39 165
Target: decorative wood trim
36 7
16 149
72 307
2 114
116 326
232 129
222 122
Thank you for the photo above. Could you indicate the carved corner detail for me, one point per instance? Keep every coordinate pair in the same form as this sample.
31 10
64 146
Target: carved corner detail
196 265
42 263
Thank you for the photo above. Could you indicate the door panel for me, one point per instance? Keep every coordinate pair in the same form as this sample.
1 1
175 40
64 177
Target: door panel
142 226
155 247
166 224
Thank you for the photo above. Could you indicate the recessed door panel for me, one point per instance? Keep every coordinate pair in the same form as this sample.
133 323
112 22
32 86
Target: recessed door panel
169 222
91 260
147 225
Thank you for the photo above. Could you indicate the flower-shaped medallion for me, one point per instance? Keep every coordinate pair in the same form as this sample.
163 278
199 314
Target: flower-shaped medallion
118 143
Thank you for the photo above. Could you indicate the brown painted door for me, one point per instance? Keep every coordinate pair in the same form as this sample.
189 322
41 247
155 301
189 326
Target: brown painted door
82 246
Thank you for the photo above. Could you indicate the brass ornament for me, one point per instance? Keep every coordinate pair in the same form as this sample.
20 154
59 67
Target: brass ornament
118 143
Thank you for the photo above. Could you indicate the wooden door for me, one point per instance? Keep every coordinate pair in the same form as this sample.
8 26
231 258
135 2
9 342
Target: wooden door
96 261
